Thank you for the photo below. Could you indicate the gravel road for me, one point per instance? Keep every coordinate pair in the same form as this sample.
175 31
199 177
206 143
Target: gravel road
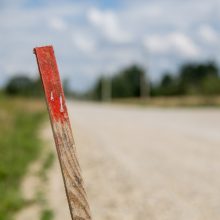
144 163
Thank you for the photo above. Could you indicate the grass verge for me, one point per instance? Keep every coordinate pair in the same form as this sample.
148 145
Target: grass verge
19 146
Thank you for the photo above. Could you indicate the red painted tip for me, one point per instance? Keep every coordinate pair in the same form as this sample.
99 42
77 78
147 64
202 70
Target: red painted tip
51 82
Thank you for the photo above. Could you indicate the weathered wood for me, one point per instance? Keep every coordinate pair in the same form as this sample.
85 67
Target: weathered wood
76 195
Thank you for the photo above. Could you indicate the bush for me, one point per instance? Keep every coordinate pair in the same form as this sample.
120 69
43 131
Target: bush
23 86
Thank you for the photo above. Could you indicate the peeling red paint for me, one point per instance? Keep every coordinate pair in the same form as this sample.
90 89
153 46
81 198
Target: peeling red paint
51 82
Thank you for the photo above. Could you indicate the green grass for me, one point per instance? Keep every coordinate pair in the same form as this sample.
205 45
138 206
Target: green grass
19 146
47 214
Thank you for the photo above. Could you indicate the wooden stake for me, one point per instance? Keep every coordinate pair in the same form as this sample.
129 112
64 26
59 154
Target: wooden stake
76 195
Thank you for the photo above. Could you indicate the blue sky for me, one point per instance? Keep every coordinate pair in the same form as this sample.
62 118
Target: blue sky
100 37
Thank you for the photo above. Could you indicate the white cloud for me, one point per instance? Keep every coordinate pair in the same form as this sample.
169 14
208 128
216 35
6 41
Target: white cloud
208 34
85 32
175 42
108 23
156 44
183 44
83 43
58 24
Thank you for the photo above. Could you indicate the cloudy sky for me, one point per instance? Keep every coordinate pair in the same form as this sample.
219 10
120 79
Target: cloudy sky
91 37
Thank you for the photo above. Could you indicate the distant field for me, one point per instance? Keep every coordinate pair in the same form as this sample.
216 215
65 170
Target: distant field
19 146
188 101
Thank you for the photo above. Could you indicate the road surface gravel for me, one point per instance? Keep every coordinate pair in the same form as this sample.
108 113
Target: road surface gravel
144 163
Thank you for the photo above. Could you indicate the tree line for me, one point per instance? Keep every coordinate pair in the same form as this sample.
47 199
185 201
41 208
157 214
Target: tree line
191 79
22 85
132 82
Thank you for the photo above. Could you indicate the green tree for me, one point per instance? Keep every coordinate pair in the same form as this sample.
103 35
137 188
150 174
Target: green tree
211 85
24 86
19 85
128 82
96 92
191 79
167 86
191 76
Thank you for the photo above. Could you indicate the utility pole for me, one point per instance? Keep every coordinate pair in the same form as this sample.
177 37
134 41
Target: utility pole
144 86
106 89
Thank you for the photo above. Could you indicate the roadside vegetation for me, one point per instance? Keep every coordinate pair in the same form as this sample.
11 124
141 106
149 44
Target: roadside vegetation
20 145
193 84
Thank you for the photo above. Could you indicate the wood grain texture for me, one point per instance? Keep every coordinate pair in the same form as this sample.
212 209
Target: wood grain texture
76 195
